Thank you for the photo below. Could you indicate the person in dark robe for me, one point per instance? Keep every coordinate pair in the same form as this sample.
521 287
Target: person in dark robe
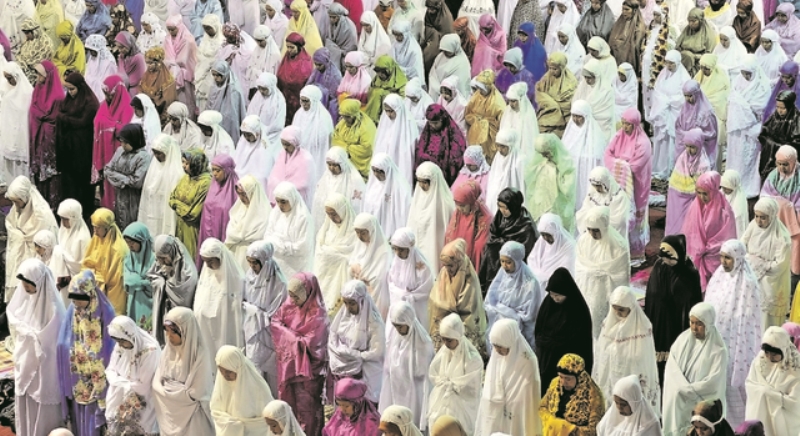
563 326
441 142
710 411
782 127
126 172
74 141
789 81
672 290
598 21
627 35
747 25
512 222
47 97
438 17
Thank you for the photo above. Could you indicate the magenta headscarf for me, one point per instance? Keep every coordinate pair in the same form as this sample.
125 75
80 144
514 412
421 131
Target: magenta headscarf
635 150
707 226
490 48
794 332
111 118
47 95
444 147
296 169
700 114
366 418
689 164
219 201
300 334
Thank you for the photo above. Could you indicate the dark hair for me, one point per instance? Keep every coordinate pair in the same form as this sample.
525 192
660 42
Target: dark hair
770 349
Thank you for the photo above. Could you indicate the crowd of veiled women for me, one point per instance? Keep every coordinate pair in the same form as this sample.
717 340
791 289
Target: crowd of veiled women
361 217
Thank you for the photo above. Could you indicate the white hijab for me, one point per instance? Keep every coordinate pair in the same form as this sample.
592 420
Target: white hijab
150 121
625 347
407 52
145 41
68 255
736 297
159 182
731 179
732 58
600 96
370 261
35 320
545 258
573 50
668 94
403 418
585 144
430 212
771 61
376 43
506 171
100 66
281 412
291 233
132 367
571 16
248 222
317 140
417 111
457 106
263 60
236 406
511 392
398 138
523 121
410 279
270 110
613 197
348 183
388 200
643 421
627 95
220 142
335 244
255 158
15 103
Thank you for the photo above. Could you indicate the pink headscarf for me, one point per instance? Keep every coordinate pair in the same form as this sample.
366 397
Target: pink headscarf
220 199
490 48
707 226
120 109
300 334
794 332
296 169
366 418
181 50
109 121
688 164
635 150
356 86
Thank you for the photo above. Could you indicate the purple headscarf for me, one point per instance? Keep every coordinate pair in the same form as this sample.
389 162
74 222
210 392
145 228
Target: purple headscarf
789 32
790 68
700 115
327 81
365 419
219 201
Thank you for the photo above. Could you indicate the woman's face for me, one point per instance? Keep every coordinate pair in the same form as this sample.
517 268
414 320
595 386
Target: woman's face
152 65
383 74
464 208
100 231
28 35
367 28
174 338
554 69
219 79
402 329
784 166
401 252
211 262
347 408
305 103
424 184
295 14
262 43
627 12
350 68
762 220
333 215
703 195
694 24
781 17
627 127
399 37
590 80
264 91
561 8
450 343
288 147
363 235
773 356
348 120
690 98
578 120
90 7
297 293
503 208
334 168
40 78
725 41
249 137
596 234
125 145
123 343
227 374
379 174
563 38
72 90
691 149
173 30
436 125
766 44
557 298
320 67
502 149
147 28
621 311
270 14
92 53
596 5
254 264
65 222
747 75
657 17
389 112
508 264
514 105
283 204
292 50
671 66
780 108
274 426
548 238
623 407
218 173
210 31
133 245
351 305
30 288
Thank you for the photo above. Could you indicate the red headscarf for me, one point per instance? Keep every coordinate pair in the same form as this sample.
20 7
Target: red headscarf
47 95
472 227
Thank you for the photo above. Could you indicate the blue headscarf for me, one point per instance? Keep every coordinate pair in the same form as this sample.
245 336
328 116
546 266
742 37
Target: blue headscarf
327 81
534 55
96 23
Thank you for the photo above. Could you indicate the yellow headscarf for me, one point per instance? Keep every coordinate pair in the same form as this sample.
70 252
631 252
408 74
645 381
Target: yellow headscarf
304 25
105 256
72 55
